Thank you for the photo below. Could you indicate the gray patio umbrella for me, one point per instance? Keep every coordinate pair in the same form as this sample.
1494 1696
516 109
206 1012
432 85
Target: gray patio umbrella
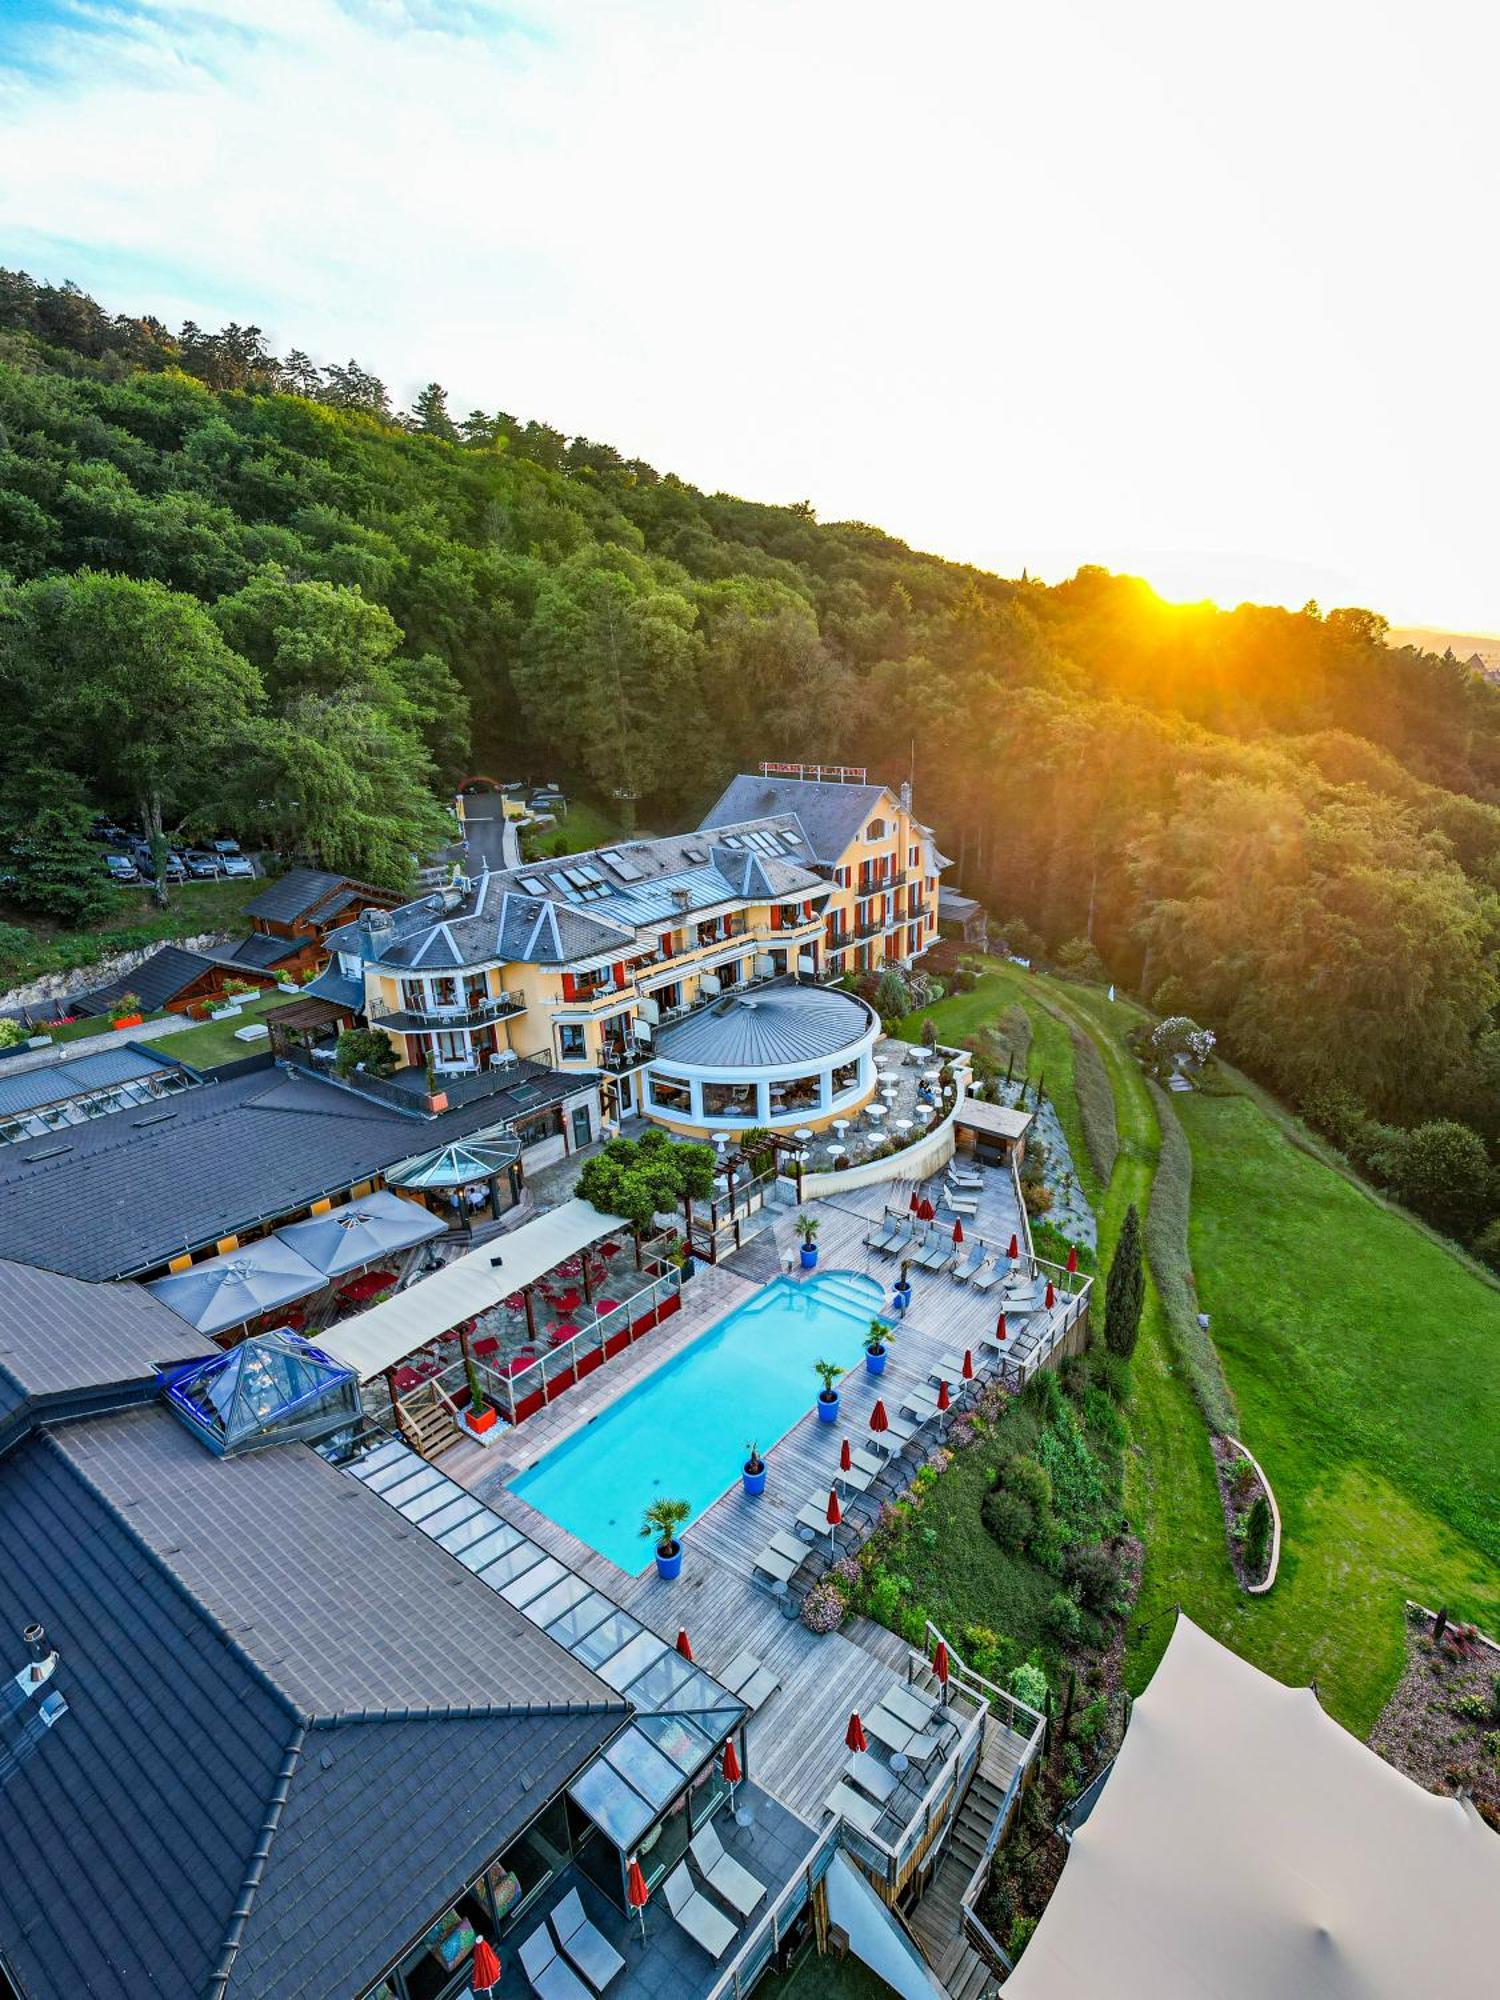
458 1164
361 1233
241 1285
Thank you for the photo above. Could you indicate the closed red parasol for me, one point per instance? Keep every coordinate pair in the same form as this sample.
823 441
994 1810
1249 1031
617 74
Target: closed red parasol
484 1973
636 1892
968 1364
915 1204
879 1421
1015 1249
926 1211
958 1232
1072 1259
684 1645
846 1457
1001 1333
1051 1299
854 1735
943 1396
940 1662
835 1513
731 1763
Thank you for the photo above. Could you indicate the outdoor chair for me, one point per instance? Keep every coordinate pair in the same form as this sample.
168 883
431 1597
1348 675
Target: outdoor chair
884 1233
935 1254
724 1875
872 1777
982 1281
895 1246
583 1944
960 1204
889 1730
815 1516
846 1803
912 1706
962 1272
749 1681
781 1558
550 1974
704 1924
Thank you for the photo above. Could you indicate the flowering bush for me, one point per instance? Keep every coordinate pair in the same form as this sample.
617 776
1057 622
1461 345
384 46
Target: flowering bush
845 1571
824 1608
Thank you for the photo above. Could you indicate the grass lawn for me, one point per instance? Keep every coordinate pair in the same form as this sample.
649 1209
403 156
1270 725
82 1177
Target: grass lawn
828 1978
132 924
1362 1355
587 825
213 1041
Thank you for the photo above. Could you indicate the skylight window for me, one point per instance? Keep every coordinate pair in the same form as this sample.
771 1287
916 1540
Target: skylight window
533 886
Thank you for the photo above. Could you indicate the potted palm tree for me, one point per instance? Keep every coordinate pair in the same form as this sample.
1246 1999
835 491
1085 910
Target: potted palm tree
479 1416
663 1519
754 1471
875 1346
807 1229
828 1372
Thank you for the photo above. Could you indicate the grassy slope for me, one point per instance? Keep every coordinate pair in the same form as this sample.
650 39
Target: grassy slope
135 922
213 1041
585 825
1361 1352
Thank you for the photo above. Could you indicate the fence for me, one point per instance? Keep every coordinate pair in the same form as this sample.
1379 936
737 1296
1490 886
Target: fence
719 1224
759 1950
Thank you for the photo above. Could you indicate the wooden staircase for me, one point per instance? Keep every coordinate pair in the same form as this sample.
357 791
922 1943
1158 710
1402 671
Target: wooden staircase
427 1422
937 1921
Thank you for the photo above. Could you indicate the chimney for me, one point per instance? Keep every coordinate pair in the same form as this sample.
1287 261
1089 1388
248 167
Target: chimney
905 794
42 1663
681 899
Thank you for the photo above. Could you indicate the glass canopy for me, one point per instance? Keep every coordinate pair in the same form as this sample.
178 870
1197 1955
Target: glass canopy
272 1388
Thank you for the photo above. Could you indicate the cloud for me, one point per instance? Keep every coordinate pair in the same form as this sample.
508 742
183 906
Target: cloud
1070 279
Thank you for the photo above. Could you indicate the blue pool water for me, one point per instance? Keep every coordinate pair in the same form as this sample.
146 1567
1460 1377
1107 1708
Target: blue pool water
681 1434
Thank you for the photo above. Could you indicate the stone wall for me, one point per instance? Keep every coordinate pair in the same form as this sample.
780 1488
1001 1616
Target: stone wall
48 993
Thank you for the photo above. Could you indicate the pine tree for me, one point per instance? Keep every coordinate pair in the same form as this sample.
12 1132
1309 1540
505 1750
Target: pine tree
1257 1537
1125 1292
429 413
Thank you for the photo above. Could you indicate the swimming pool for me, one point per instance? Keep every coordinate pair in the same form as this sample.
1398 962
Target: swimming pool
681 1434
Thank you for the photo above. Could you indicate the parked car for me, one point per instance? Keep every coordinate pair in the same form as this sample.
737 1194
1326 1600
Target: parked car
239 867
122 868
201 865
222 847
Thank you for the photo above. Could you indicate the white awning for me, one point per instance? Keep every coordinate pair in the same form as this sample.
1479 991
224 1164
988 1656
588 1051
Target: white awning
1245 1845
375 1340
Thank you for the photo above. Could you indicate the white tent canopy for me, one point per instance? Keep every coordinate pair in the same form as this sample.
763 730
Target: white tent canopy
373 1341
1245 1846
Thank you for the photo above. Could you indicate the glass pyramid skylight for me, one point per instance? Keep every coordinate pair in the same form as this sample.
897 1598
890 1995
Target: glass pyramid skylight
272 1388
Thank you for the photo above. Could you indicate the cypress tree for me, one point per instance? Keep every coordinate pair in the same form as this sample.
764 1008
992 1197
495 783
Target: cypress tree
1125 1292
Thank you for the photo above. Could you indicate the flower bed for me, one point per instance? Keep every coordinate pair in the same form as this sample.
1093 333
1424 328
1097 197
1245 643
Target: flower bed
1252 1522
1442 1724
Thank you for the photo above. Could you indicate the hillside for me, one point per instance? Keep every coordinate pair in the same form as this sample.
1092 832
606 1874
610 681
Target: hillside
243 591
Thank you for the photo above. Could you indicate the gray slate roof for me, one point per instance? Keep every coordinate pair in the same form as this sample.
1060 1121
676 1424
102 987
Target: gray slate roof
61 1341
294 1726
155 982
781 1025
298 893
77 1076
830 815
123 1194
262 951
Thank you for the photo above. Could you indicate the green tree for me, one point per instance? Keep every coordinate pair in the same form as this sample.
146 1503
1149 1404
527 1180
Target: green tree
57 871
1125 1289
1257 1543
364 1048
130 684
1442 1170
429 413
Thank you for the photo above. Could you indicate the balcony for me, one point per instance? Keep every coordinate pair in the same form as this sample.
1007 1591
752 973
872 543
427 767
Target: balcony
478 1013
618 1060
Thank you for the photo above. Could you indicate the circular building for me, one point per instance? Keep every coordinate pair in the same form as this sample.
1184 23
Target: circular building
779 1056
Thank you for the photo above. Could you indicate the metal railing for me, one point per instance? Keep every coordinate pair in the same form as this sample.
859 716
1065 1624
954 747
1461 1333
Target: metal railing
566 1359
463 1013
759 1949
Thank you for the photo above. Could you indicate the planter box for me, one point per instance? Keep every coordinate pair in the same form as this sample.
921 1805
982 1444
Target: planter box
128 1020
221 1014
39 1042
484 1430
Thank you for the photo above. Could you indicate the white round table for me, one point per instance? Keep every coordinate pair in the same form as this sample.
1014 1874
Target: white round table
841 1126
804 1133
876 1110
902 1124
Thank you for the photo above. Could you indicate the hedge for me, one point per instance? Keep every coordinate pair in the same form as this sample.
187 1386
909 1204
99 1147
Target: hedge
1096 1105
1171 1268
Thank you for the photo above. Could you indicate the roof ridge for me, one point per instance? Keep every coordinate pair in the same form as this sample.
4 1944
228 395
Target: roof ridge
260 1854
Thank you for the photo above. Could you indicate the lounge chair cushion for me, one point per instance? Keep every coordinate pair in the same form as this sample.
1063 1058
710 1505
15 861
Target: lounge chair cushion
583 1944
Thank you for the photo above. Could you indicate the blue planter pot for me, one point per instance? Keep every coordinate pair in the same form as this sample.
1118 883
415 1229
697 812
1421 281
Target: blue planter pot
669 1568
809 1256
828 1408
755 1482
875 1363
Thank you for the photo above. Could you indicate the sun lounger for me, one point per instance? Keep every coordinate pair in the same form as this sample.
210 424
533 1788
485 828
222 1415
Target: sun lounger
888 1729
911 1706
965 1176
895 1246
703 1923
961 1204
962 1272
550 1974
947 1370
934 1254
922 1745
815 1516
724 1875
857 1478
921 1402
983 1280
748 1680
781 1558
583 1945
867 1461
846 1803
871 1776
884 1232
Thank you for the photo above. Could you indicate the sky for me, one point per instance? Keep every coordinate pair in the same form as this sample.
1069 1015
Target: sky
1205 293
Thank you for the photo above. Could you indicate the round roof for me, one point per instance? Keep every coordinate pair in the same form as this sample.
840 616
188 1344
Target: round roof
771 1027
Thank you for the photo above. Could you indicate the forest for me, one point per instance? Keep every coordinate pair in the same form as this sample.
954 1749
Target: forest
245 591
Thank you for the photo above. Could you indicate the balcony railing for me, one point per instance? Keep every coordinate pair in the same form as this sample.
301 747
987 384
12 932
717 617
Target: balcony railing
476 1013
631 1056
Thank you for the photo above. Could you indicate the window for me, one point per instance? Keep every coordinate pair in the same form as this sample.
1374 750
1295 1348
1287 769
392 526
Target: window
845 1078
875 830
796 1093
667 1094
730 1100
572 1042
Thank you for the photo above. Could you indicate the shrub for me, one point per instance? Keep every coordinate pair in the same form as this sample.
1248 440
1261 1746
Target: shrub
1442 1173
365 1046
1111 1372
1009 1519
1079 960
12 1034
1487 1244
1020 1936
1096 1105
1028 1478
1028 1683
986 1651
1093 1576
1241 1478
824 1608
886 1593
1167 1252
1064 1619
1073 1472
1258 1536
